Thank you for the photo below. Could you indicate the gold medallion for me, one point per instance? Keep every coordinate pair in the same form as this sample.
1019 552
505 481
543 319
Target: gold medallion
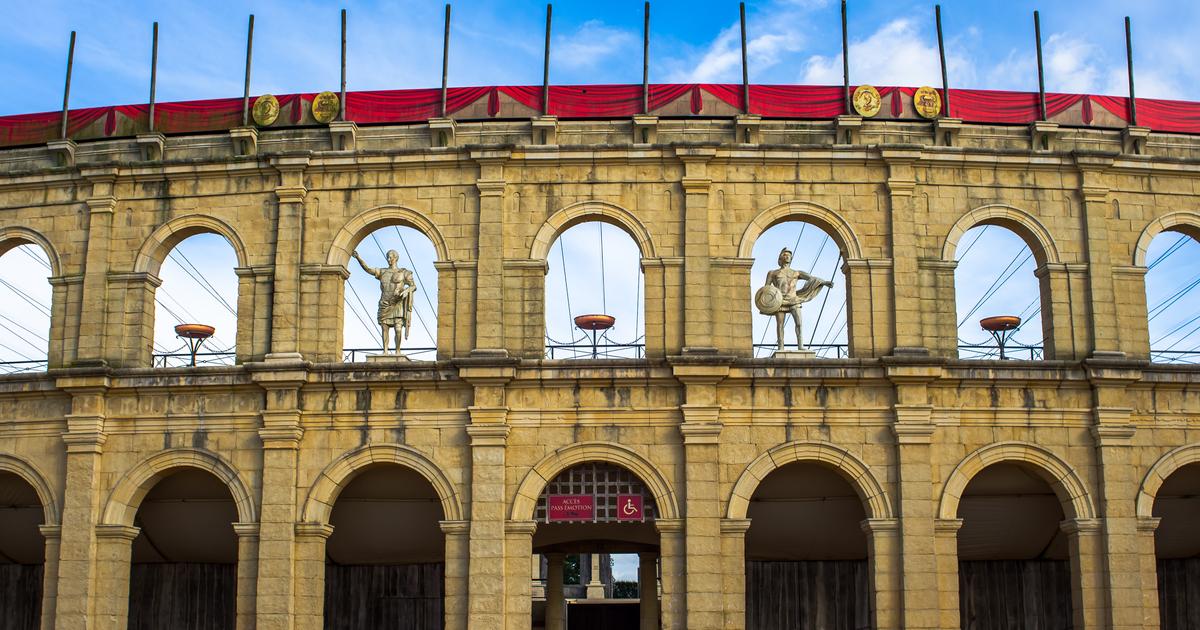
325 107
266 110
867 101
927 102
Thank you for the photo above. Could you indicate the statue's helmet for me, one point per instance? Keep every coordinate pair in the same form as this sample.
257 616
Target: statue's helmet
782 253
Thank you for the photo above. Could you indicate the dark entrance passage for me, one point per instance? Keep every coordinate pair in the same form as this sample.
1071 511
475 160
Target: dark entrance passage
806 553
385 561
1013 572
1177 549
22 553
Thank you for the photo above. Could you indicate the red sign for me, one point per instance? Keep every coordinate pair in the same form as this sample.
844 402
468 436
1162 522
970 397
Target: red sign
629 507
570 507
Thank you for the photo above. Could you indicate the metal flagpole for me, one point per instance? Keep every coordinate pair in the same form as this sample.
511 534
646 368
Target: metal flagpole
845 61
646 61
1129 59
67 87
745 70
249 56
153 72
1037 33
937 13
546 66
342 112
445 57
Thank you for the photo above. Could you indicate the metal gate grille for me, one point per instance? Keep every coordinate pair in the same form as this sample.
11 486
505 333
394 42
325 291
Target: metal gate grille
603 481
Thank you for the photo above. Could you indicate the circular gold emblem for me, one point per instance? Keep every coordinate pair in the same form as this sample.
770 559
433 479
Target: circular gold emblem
325 107
867 101
266 110
927 102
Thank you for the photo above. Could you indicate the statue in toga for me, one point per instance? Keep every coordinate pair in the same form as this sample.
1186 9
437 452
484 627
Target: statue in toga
396 289
779 296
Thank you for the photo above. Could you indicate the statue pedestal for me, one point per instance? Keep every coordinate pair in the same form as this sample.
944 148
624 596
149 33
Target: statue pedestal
387 358
794 354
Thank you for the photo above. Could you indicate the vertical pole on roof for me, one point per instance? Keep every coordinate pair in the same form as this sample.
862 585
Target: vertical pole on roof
249 56
1037 33
937 14
445 57
646 60
546 66
745 70
153 71
1129 60
67 87
342 101
845 61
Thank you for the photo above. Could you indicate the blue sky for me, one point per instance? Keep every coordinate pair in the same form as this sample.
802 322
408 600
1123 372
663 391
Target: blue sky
398 45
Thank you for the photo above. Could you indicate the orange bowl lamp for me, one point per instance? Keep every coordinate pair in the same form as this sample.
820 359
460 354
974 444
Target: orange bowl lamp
595 322
1001 327
194 335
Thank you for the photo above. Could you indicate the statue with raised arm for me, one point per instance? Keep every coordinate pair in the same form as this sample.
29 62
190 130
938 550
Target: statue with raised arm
396 287
780 297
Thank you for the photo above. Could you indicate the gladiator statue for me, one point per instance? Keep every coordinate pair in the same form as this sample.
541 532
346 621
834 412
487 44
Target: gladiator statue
779 296
396 289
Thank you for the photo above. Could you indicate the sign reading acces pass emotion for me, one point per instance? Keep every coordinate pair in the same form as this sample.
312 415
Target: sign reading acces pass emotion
562 508
629 507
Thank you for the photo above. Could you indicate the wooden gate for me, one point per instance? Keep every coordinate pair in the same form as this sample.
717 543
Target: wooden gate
182 596
1014 594
807 595
384 597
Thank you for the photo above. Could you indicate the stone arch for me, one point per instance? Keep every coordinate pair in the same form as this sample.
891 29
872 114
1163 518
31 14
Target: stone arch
1023 224
32 476
592 210
14 236
126 497
545 470
1062 478
1160 471
357 228
855 471
828 220
168 235
1184 222
324 492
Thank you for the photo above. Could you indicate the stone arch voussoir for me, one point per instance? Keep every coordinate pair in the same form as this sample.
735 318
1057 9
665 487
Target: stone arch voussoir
357 228
32 476
592 210
14 236
127 495
1023 224
1063 480
1183 221
164 238
831 222
1160 471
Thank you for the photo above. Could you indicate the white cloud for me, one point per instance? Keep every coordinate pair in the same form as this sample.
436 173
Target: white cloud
770 39
591 44
896 54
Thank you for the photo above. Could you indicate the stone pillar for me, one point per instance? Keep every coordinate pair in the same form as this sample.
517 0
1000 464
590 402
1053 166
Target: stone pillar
525 307
64 316
906 313
883 567
281 434
1088 602
254 312
51 535
450 310
310 576
555 605
1101 296
648 590
697 292
323 308
247 573
457 535
286 319
734 327
84 440
595 588
1065 328
518 547
1148 569
489 278
939 323
92 331
1129 283
663 278
672 574
945 547
113 546
733 570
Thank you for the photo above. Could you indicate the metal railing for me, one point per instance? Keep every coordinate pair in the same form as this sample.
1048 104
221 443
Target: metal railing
359 355
20 367
823 350
184 359
992 352
599 351
1185 357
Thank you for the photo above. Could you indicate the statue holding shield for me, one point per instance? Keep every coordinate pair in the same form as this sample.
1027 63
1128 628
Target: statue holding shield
396 287
780 297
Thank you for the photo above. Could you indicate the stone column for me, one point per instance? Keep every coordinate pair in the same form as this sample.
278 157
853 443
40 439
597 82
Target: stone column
906 312
84 440
93 332
1101 296
457 535
247 573
1129 282
489 278
595 588
697 292
525 307
1148 569
663 303
555 605
1088 602
254 312
734 327
883 568
648 590
518 547
1065 328
733 570
939 325
323 306
310 576
672 574
286 319
51 534
64 320
113 546
945 547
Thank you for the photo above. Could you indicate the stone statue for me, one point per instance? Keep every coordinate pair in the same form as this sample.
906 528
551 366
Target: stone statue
779 296
396 289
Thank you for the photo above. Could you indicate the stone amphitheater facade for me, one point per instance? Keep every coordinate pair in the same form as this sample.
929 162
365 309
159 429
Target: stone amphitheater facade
699 420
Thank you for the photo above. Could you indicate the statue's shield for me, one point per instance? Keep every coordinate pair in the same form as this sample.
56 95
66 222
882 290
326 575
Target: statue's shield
768 299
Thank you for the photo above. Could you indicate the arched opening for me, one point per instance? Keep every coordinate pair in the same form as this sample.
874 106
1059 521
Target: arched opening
995 277
806 552
817 255
411 302
596 550
593 268
385 561
1172 301
183 564
1013 557
199 286
22 554
1177 548
25 270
